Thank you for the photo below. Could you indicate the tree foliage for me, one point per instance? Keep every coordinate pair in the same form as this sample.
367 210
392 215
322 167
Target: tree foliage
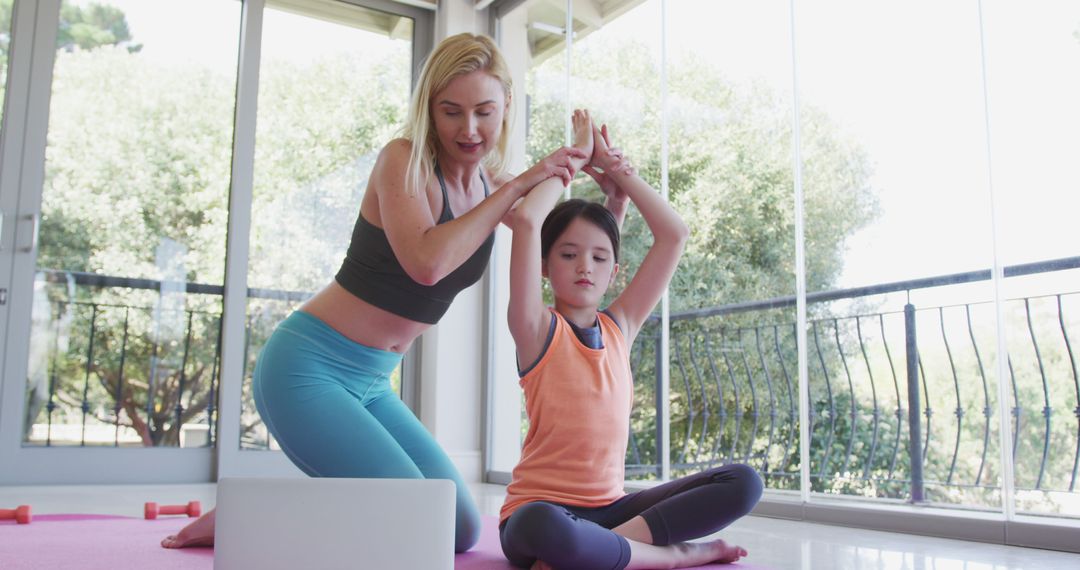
730 171
137 186
84 28
5 29
94 26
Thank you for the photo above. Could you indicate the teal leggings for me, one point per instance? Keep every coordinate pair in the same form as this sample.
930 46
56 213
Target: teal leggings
328 402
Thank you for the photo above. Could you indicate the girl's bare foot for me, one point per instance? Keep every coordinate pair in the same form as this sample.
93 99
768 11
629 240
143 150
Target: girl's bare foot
682 555
540 565
689 554
583 131
719 551
198 533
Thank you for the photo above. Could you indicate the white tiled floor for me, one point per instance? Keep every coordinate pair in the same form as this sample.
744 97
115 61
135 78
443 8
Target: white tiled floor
772 543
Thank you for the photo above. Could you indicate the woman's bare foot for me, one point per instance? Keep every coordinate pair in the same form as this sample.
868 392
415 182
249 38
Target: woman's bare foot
540 565
198 533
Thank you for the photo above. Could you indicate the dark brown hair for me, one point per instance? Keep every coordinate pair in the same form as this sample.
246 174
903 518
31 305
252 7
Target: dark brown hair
560 217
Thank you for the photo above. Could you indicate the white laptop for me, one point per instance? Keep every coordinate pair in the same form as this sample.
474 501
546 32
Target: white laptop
326 523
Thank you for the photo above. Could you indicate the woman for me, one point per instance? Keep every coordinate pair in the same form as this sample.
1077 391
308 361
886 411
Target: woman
424 233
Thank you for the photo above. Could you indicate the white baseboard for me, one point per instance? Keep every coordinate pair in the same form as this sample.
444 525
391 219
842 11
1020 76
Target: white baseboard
979 526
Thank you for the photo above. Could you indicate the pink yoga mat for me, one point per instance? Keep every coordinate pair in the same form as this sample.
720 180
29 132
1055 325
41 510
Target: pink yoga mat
95 542
101 542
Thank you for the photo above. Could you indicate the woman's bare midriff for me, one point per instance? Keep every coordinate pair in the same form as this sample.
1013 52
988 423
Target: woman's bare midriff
362 322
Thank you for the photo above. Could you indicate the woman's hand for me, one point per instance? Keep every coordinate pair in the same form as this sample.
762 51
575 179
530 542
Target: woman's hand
557 164
608 186
605 156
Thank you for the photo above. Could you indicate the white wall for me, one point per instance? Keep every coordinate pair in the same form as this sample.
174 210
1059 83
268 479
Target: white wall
457 16
505 394
453 352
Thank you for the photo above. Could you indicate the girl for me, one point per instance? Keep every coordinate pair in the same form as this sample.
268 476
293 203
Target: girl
566 507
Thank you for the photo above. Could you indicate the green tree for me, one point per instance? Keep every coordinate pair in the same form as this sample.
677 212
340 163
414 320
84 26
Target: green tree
93 26
83 27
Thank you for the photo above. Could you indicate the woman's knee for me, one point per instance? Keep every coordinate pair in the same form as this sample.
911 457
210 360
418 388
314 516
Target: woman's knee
468 526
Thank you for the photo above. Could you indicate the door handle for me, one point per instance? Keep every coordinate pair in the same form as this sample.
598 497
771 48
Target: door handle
33 219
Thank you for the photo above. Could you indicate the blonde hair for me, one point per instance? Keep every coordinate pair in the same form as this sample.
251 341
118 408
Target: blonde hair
455 56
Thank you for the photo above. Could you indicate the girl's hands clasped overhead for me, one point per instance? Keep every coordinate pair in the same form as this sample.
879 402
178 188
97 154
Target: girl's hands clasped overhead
609 160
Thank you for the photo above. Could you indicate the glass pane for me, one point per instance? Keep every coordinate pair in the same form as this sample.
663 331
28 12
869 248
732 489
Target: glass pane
897 203
127 296
546 92
334 87
1034 118
629 103
517 41
734 364
532 36
546 87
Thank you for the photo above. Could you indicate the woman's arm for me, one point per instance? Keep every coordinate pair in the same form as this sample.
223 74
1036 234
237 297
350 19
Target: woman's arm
427 251
670 233
527 316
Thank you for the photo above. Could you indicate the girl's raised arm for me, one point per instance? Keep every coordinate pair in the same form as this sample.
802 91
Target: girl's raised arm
636 302
527 316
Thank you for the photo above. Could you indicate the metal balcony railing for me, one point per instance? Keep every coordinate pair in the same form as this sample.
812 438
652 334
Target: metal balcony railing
112 363
874 394
877 381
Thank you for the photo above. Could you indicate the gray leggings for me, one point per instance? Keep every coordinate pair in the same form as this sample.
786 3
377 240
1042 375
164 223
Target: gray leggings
577 537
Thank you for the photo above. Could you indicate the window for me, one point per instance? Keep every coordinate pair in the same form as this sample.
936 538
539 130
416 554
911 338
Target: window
895 173
1033 120
920 164
734 373
333 89
127 298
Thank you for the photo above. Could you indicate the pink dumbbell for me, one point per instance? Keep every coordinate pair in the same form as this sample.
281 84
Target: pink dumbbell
21 514
152 510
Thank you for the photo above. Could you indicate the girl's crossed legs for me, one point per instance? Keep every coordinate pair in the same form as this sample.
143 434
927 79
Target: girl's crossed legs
646 529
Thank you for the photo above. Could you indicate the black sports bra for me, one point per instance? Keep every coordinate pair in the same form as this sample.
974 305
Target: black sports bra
373 273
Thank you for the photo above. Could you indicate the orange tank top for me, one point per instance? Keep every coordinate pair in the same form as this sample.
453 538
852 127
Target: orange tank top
578 400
